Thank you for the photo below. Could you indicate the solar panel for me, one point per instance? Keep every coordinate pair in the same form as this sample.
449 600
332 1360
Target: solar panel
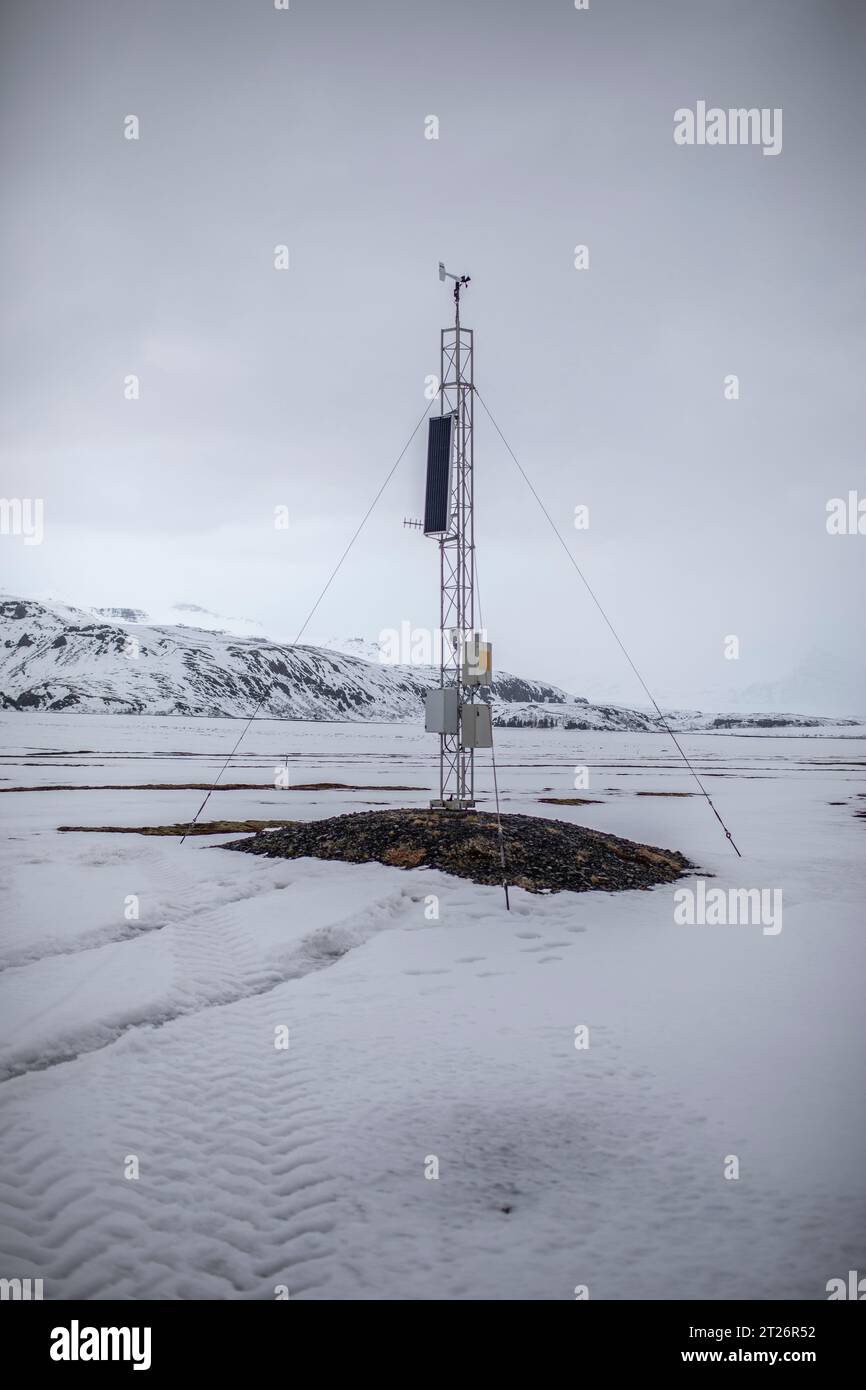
437 500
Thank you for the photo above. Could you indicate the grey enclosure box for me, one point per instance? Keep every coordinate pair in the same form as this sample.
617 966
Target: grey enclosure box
441 711
477 726
437 498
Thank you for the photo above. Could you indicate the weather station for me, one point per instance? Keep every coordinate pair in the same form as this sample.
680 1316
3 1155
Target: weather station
462 722
532 852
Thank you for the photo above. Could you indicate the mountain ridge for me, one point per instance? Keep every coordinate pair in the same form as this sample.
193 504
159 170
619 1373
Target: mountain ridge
57 657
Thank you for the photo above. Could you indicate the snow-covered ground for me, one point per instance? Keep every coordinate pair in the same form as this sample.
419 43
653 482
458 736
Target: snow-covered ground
412 1038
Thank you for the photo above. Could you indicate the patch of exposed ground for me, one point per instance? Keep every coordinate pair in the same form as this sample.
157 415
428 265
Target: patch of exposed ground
570 801
220 787
665 793
208 827
541 855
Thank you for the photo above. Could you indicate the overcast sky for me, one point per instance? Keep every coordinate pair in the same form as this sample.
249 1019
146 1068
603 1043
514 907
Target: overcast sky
262 387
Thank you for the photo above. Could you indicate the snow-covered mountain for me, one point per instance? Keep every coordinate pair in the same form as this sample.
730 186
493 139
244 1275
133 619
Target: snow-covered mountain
54 657
361 647
121 615
183 615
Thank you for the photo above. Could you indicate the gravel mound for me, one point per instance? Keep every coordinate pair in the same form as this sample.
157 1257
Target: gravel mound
541 855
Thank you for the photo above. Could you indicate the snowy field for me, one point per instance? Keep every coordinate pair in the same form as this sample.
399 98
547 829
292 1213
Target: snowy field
153 1037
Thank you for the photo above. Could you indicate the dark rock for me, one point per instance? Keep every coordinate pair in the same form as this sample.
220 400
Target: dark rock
541 855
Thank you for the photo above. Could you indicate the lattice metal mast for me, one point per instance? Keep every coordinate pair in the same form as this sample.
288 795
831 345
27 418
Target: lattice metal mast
457 550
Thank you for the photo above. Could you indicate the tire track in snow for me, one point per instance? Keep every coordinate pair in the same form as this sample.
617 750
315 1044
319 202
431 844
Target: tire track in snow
210 1107
218 961
236 1193
184 897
